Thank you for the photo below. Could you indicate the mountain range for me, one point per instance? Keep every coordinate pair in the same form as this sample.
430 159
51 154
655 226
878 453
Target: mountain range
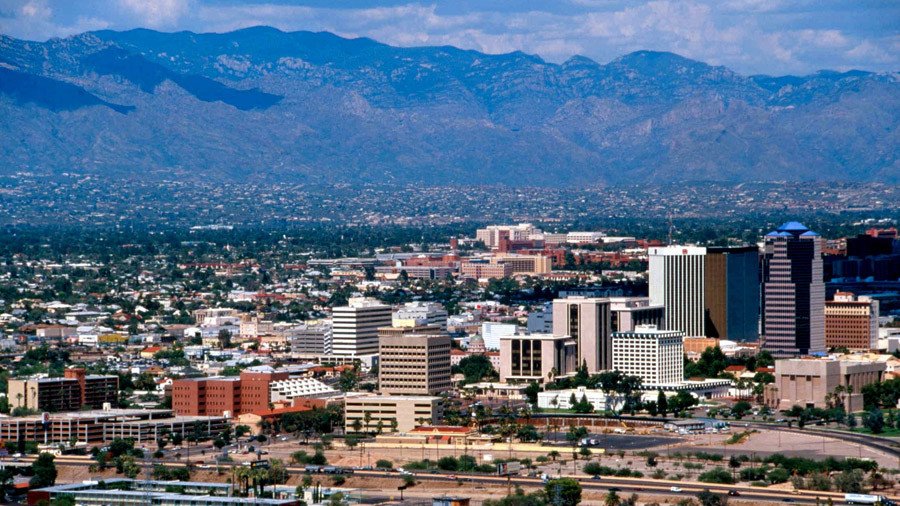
269 105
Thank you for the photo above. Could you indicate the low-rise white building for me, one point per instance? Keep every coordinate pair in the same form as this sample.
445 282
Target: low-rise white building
420 313
562 399
294 388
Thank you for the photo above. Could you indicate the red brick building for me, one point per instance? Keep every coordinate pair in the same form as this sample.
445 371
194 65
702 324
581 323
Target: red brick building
215 396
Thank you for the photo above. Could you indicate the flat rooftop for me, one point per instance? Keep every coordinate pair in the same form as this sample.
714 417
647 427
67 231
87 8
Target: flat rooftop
393 398
95 413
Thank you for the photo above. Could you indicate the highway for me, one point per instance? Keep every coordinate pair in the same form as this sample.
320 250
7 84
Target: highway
624 486
876 443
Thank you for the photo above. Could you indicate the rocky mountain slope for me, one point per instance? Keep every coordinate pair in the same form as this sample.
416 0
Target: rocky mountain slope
260 103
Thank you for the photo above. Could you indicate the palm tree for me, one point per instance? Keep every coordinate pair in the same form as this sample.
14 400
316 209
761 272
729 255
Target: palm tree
612 499
367 417
242 476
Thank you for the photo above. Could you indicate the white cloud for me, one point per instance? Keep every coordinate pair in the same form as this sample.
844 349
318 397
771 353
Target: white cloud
751 36
157 13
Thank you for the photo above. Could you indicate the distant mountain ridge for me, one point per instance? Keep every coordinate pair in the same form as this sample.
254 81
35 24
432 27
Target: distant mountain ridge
265 104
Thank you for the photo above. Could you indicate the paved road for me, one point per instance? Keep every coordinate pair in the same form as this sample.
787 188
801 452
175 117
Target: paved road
622 485
627 442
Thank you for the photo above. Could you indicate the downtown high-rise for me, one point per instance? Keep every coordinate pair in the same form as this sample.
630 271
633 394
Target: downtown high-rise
586 320
793 292
678 282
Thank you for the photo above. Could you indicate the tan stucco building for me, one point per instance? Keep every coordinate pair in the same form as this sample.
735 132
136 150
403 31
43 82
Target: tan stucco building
807 381
532 357
408 411
414 364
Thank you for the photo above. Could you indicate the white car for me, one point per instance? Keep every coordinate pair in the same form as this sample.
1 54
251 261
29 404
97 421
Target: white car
675 489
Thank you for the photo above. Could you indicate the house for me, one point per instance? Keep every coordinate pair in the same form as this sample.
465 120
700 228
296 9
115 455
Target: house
150 351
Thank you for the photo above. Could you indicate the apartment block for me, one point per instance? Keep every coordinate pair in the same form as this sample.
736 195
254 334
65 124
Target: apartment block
407 412
74 391
492 235
656 356
485 270
851 322
525 264
215 396
414 364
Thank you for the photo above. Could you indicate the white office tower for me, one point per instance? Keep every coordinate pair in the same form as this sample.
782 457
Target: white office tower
678 282
355 326
491 332
419 314
656 356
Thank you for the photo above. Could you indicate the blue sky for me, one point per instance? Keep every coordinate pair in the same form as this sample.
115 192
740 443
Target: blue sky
750 36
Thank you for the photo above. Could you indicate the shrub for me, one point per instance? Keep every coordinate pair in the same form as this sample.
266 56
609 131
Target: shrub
753 473
717 475
448 463
778 475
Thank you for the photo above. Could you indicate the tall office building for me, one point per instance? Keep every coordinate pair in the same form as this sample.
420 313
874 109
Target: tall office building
851 322
732 293
629 312
355 326
656 356
678 282
588 322
793 292
414 364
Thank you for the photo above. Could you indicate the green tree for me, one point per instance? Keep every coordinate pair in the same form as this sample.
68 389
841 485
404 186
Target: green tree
740 409
531 392
612 499
130 468
662 403
563 492
850 482
594 469
874 421
475 368
44 470
778 475
717 475
708 498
